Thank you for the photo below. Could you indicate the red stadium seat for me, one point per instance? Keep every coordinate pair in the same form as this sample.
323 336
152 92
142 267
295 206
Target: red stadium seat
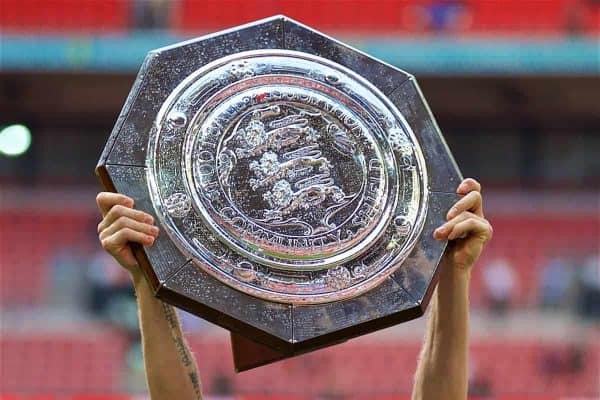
64 16
92 362
61 363
352 16
33 238
391 16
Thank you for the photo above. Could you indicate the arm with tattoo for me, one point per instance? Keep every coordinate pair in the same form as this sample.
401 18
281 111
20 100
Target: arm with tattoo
170 367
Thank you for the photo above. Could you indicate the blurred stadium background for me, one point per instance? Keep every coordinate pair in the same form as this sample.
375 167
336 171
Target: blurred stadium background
515 87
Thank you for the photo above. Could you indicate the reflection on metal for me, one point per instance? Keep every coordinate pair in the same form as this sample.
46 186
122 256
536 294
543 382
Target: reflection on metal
293 163
296 180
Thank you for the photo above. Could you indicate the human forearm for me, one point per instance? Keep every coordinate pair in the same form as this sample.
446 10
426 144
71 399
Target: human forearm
170 367
442 370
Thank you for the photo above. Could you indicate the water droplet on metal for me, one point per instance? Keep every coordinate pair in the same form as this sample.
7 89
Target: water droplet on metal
177 119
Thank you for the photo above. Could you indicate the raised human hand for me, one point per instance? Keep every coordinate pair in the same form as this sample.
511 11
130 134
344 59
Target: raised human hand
466 228
122 225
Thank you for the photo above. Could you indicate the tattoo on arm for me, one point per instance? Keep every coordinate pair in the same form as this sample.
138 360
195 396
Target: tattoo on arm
196 384
184 354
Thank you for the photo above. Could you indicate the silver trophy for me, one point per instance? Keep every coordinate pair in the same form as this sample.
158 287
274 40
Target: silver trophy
297 182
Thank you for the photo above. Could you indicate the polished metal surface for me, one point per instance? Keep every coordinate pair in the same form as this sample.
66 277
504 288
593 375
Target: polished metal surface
297 182
287 176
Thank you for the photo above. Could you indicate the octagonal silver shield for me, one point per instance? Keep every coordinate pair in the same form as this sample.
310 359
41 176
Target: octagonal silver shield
297 182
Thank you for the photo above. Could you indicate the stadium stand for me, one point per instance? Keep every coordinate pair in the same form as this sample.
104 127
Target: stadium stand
355 16
26 261
62 16
527 240
394 16
93 363
59 362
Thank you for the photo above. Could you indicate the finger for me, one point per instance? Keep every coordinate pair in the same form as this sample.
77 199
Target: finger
126 222
471 226
468 185
119 239
107 200
472 201
443 231
121 211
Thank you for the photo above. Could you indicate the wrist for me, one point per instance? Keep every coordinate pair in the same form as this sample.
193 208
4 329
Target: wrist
452 279
448 268
137 277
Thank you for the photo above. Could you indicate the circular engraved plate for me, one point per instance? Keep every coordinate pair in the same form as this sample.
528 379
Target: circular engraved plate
287 176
